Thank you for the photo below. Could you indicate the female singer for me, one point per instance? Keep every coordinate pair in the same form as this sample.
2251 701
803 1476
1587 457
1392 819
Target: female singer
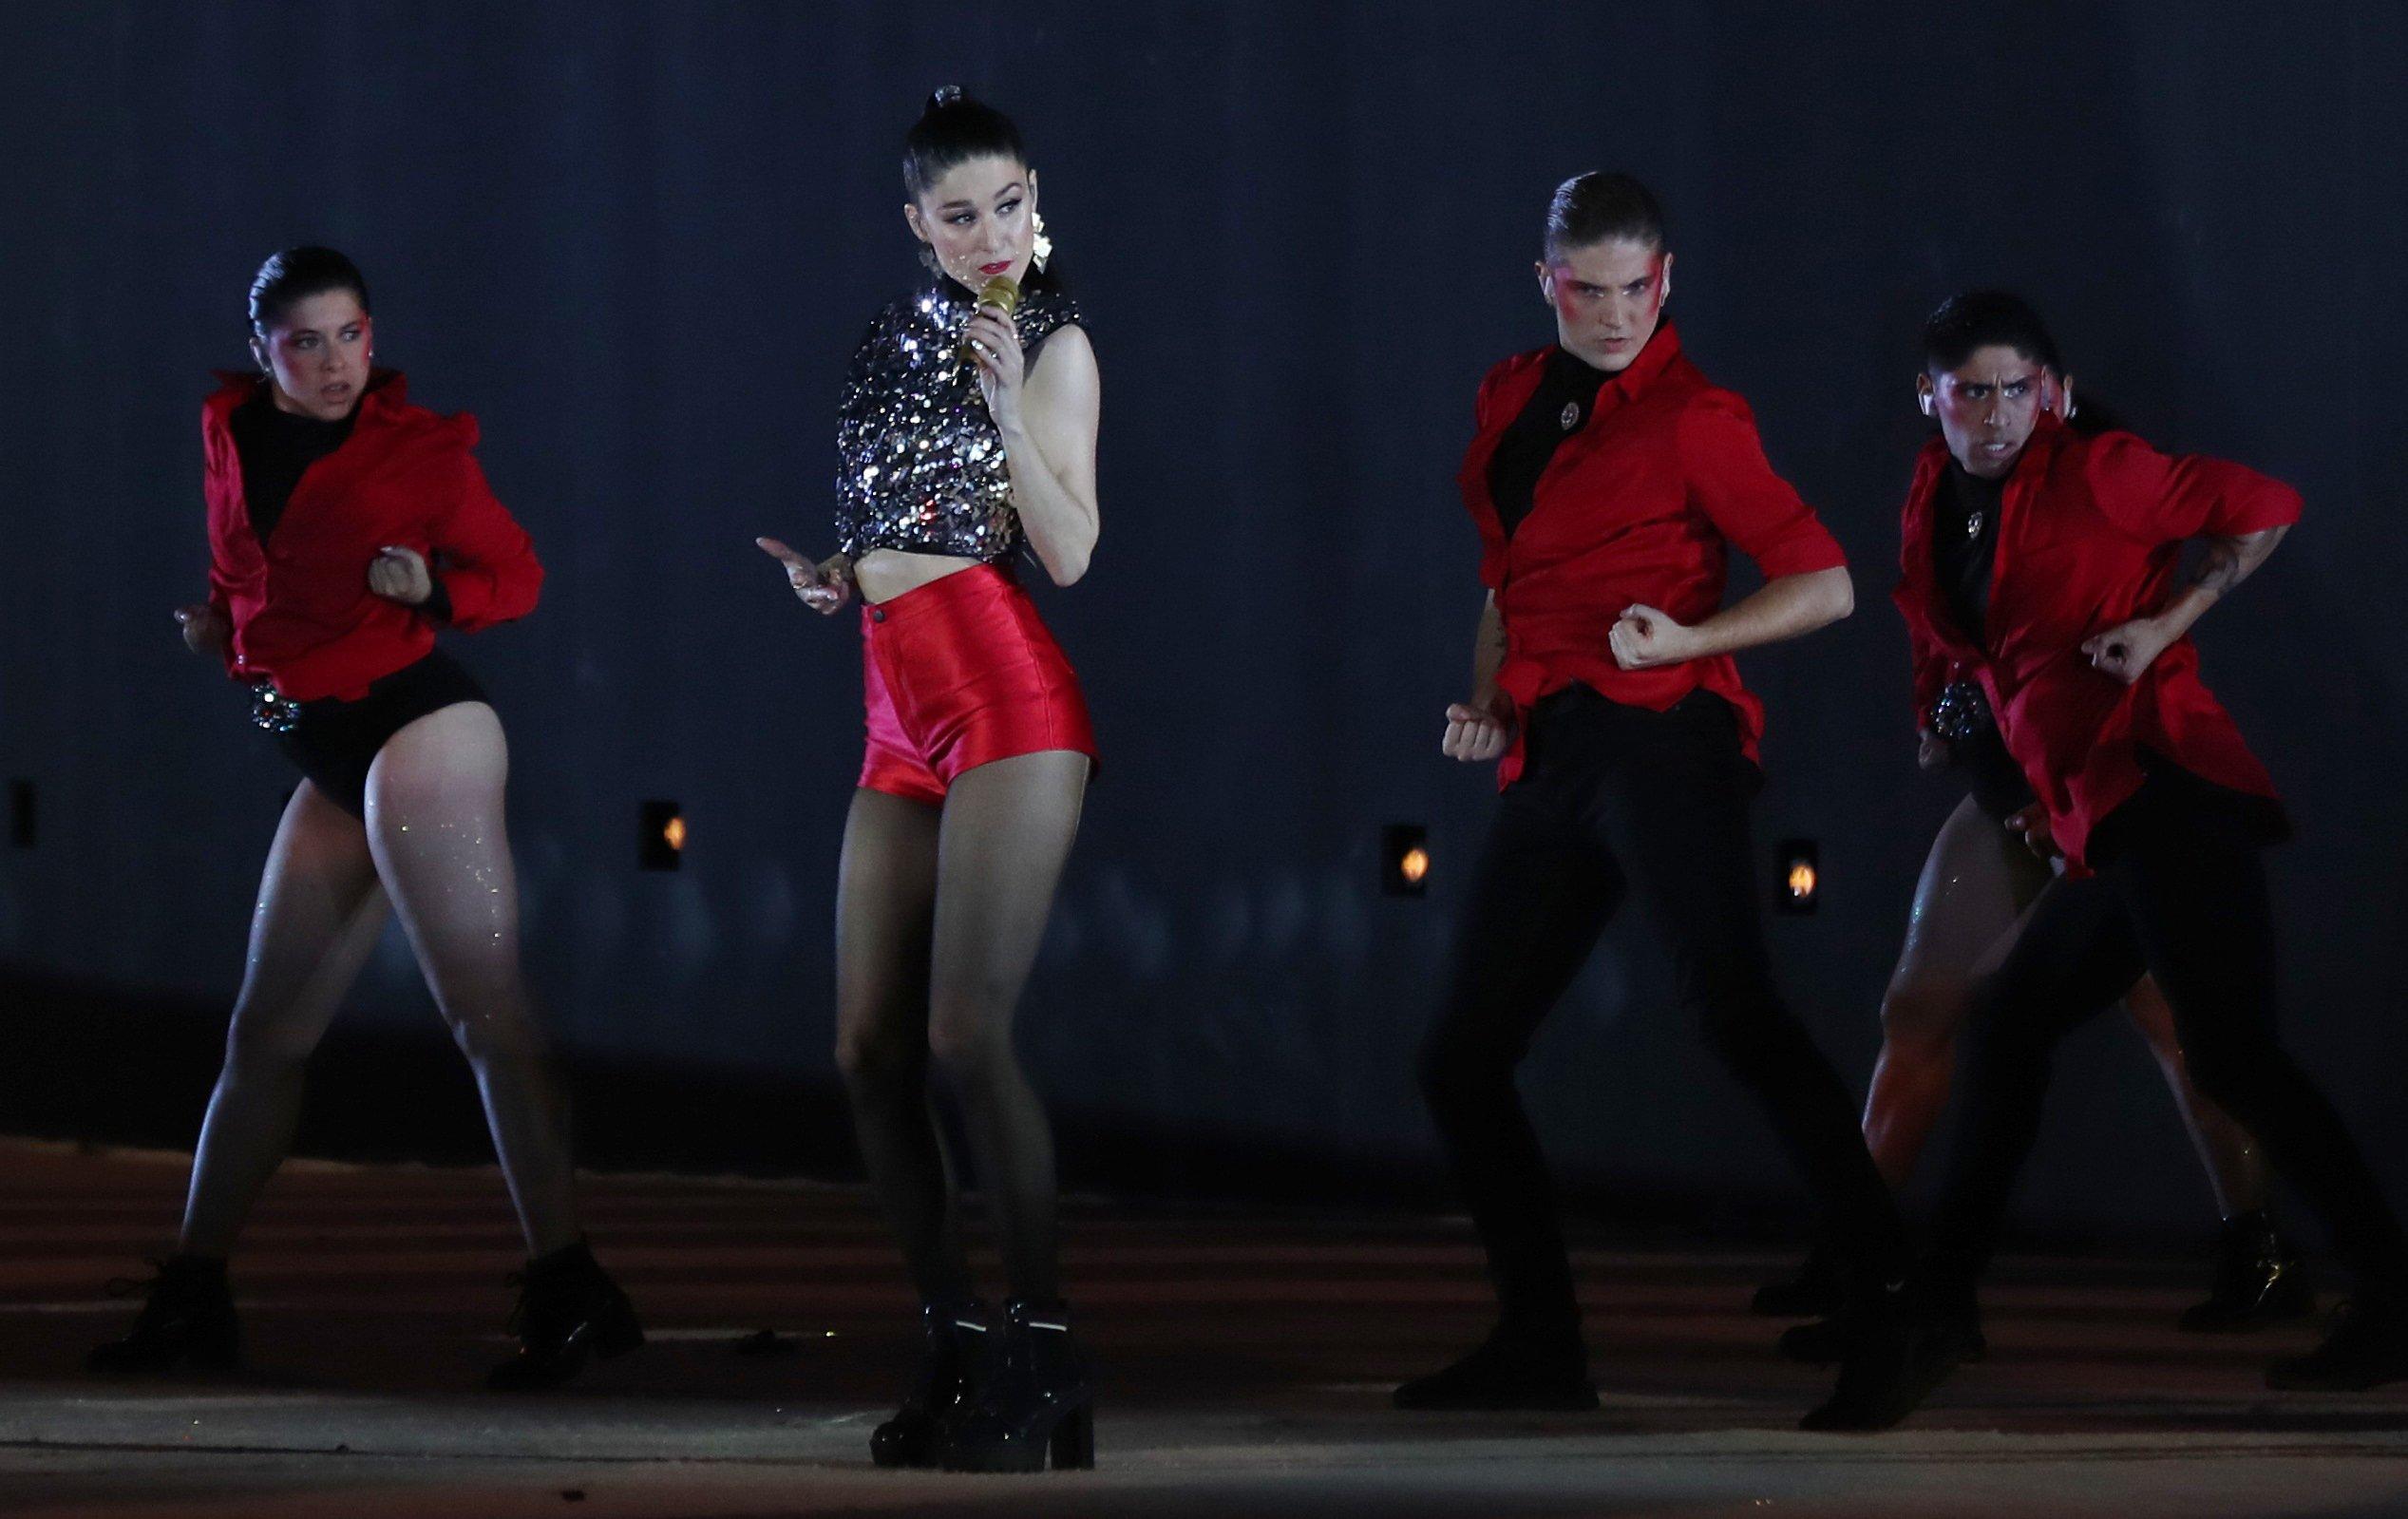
967 431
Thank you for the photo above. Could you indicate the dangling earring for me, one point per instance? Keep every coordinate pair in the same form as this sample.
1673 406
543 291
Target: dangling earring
1040 246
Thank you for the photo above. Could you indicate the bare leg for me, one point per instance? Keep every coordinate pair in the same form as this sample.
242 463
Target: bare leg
1975 882
886 903
2236 1167
1007 830
435 825
318 915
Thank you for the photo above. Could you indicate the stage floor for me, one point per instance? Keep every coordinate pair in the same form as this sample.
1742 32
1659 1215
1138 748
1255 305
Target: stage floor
1244 1367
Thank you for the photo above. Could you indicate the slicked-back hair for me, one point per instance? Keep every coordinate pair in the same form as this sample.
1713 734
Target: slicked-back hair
1598 206
954 129
294 276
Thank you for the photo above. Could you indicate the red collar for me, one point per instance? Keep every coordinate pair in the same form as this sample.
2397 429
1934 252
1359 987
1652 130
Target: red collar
388 390
1662 346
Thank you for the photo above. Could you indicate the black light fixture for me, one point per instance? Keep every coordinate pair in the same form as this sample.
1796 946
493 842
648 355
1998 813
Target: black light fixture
660 840
1801 880
1404 860
21 814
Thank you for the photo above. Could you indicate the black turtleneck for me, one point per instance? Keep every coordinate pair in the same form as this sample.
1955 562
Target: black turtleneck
276 448
1965 547
1566 396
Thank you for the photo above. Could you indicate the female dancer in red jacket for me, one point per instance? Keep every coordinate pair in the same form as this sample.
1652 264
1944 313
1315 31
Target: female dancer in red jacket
345 525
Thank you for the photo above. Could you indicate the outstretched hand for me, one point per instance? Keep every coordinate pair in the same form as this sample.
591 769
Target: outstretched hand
825 588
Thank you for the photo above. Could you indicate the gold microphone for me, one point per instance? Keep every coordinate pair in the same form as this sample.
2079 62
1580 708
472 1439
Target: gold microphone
1000 290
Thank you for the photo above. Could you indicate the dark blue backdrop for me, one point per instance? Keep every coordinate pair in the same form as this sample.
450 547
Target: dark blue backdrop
637 240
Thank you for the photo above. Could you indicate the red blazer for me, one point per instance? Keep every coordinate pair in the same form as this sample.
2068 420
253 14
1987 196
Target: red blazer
302 612
2090 535
1640 504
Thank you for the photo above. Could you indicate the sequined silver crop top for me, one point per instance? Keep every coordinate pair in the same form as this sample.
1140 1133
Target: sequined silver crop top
920 465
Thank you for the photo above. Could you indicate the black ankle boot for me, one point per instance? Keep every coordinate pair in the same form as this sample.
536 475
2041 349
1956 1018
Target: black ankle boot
1033 1407
189 1318
569 1308
956 1348
2257 1279
1828 1341
1513 1368
1814 1292
1900 1344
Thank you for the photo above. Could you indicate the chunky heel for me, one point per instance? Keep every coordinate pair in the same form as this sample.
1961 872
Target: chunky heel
1035 1405
1073 1448
569 1310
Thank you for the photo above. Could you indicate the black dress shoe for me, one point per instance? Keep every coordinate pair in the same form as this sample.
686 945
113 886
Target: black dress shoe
189 1318
2368 1347
1509 1370
1033 1407
1825 1341
1814 1292
916 1435
1904 1346
569 1309
2258 1280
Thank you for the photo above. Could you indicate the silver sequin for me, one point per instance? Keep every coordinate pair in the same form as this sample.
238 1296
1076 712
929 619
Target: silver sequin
920 465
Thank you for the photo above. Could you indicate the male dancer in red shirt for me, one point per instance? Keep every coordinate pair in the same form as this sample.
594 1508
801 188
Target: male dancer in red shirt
1609 482
2082 651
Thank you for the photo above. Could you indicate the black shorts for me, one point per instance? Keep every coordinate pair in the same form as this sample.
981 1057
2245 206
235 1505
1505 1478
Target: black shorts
335 741
1991 773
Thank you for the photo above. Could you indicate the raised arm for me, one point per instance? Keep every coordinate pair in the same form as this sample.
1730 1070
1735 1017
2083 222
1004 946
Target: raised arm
1047 413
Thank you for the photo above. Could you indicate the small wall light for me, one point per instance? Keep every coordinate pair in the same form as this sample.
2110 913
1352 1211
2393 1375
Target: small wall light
1801 878
660 842
1404 860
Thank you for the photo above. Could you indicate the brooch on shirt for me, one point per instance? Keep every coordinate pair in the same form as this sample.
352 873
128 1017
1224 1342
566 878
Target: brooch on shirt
1572 415
1973 527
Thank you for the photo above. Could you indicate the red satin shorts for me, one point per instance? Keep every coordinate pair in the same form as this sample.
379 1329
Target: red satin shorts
962 673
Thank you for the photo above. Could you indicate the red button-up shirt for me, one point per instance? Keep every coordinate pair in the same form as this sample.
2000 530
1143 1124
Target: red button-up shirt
1641 504
2090 536
302 614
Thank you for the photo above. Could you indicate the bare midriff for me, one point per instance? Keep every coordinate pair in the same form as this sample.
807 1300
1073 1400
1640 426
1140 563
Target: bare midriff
884 574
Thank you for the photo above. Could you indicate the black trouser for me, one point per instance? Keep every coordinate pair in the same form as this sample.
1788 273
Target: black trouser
1613 799
2180 892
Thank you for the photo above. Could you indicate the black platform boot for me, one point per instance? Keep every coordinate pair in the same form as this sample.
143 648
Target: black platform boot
2258 1280
1515 1368
189 1318
569 1308
1033 1407
948 1370
1815 1291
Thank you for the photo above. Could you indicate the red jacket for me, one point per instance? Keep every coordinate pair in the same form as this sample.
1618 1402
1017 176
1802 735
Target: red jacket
1640 504
302 612
2090 535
